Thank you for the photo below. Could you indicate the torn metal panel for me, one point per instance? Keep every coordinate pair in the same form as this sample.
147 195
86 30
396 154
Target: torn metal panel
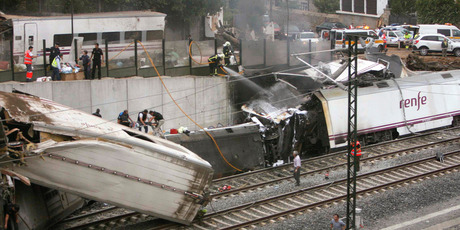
100 160
241 145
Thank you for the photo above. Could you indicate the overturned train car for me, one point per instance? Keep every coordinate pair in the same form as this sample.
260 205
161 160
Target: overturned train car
386 110
66 149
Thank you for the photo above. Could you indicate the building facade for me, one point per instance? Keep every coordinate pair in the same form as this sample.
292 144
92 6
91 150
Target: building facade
370 8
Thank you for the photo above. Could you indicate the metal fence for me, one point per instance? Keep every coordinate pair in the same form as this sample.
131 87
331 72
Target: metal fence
169 57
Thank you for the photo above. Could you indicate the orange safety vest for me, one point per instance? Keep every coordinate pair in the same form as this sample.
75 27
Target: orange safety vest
384 37
358 149
28 58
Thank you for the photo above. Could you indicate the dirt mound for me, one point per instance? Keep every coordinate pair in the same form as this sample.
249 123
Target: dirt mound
431 63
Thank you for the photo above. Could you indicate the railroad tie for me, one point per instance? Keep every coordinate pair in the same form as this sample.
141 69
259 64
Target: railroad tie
287 204
241 216
268 208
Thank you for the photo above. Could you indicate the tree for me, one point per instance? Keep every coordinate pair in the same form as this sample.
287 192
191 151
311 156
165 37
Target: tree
405 7
327 6
438 11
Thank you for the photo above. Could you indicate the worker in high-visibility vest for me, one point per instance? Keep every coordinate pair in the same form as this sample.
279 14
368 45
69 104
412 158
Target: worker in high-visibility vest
28 56
56 64
358 152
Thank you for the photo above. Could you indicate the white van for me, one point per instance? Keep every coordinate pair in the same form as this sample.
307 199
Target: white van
339 36
449 31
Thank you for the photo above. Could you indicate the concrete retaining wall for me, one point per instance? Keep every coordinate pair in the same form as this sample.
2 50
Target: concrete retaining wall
205 99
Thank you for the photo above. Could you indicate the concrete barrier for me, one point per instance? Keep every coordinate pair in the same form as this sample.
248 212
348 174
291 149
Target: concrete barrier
205 99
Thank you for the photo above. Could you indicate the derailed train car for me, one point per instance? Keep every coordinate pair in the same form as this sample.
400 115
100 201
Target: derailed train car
66 149
386 110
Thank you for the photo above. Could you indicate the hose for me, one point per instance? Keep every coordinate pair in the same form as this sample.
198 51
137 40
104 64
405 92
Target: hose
180 108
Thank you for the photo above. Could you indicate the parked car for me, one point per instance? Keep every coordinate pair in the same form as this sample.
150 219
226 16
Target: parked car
329 26
395 37
293 31
431 43
305 37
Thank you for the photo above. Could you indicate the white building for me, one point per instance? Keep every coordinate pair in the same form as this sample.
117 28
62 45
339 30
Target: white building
369 8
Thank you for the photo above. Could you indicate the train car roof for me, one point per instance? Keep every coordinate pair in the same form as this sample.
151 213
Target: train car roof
403 83
118 14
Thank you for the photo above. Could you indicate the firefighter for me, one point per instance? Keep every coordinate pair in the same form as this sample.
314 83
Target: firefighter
214 62
228 51
358 154
28 56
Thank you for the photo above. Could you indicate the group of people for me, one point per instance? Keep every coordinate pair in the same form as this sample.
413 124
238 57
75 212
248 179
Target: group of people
144 119
214 61
55 60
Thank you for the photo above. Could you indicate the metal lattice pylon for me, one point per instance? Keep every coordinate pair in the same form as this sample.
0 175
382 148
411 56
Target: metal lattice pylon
352 129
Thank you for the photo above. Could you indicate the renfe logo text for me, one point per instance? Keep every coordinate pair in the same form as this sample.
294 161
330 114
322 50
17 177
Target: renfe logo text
411 102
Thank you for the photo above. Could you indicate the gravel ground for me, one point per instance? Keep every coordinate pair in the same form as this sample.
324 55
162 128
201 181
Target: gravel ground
310 181
375 208
389 208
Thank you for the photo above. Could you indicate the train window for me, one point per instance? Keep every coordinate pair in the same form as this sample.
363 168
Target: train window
445 32
111 36
446 75
154 35
63 39
88 37
131 35
18 38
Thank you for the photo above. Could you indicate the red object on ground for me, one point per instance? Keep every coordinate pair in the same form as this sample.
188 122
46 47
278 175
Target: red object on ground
173 131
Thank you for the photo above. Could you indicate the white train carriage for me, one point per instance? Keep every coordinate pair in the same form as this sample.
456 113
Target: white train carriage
392 108
118 28
82 154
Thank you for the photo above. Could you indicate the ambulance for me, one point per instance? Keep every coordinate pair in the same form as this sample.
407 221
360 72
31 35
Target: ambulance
338 37
447 30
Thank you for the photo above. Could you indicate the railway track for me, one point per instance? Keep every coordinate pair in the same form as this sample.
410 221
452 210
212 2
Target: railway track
306 200
100 219
251 181
372 153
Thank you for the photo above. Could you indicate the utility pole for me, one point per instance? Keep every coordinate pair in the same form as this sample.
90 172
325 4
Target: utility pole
352 129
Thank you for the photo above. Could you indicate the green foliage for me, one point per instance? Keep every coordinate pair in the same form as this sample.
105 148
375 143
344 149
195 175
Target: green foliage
327 6
438 11
402 7
177 10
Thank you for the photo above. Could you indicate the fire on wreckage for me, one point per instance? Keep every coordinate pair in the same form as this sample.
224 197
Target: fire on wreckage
318 125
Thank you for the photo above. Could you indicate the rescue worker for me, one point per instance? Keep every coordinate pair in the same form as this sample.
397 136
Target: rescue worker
228 51
296 167
214 62
158 122
407 38
54 52
56 65
351 26
358 154
141 119
97 61
444 46
124 119
97 113
28 56
384 38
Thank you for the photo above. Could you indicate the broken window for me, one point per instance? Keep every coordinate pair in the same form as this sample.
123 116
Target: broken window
139 136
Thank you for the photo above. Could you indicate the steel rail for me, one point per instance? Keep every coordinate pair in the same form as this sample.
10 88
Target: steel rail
421 165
